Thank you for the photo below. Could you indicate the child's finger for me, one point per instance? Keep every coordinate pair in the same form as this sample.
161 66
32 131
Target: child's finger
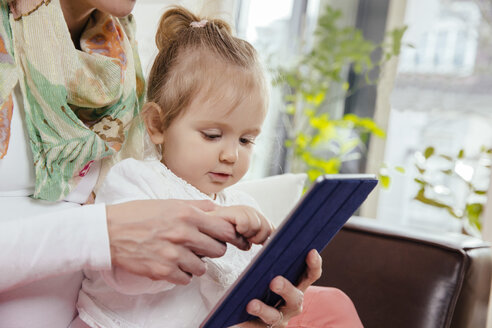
244 219
264 232
268 314
313 270
248 222
292 296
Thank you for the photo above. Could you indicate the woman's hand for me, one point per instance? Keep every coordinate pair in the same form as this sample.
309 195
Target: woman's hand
164 239
292 295
249 223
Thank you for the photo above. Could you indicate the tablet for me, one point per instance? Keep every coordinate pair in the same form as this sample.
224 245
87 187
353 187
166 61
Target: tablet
318 216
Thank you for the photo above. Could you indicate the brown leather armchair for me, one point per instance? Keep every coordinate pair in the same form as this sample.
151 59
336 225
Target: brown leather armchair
399 278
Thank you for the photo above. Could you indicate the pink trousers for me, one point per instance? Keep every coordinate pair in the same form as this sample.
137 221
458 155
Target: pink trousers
323 307
326 307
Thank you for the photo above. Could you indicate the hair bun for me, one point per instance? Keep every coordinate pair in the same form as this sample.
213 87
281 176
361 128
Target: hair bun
171 24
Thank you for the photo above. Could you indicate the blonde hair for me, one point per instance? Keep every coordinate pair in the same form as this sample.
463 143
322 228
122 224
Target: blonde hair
194 54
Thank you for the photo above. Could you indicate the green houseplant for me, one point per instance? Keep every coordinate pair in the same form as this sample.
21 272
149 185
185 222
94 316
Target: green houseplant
318 141
448 182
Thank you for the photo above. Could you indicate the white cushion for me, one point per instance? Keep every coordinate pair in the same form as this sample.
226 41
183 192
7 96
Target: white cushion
276 195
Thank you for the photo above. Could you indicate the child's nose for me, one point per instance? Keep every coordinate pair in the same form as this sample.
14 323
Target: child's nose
229 154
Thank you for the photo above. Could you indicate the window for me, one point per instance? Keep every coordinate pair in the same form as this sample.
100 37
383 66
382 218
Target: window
267 26
441 99
446 46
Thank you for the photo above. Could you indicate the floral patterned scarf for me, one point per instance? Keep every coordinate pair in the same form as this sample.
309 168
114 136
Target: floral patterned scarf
79 104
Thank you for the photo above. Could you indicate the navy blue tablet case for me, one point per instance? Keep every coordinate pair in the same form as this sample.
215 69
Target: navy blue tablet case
323 211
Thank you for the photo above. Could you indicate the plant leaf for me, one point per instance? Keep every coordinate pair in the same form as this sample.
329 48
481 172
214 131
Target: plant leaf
385 181
400 169
429 151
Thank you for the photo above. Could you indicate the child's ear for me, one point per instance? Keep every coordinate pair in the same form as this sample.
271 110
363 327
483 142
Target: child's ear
152 116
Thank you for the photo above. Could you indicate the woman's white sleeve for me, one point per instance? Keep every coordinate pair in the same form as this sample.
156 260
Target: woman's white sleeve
51 244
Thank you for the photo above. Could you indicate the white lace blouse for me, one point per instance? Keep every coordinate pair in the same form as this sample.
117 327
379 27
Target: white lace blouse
120 299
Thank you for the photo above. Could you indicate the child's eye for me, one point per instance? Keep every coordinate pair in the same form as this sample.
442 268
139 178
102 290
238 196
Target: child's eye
247 141
211 136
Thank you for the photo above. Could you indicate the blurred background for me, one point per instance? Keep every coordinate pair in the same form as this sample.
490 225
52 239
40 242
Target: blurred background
400 89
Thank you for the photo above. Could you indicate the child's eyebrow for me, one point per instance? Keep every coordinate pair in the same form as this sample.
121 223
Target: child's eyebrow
254 131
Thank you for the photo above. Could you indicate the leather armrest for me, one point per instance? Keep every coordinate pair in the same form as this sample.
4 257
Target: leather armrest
399 277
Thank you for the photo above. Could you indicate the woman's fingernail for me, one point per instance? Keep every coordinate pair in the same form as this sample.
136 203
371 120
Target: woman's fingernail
255 307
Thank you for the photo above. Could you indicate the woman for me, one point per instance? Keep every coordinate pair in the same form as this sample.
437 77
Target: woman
65 115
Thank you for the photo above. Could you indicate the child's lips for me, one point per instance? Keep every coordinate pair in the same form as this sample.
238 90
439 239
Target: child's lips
219 176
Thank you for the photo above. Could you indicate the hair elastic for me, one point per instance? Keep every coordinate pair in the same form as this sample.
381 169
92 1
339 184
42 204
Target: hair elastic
199 24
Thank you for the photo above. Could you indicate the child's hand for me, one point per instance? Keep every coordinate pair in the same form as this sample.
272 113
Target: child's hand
249 223
293 297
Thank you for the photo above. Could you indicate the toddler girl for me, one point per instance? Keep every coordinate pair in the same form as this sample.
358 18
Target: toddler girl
207 99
